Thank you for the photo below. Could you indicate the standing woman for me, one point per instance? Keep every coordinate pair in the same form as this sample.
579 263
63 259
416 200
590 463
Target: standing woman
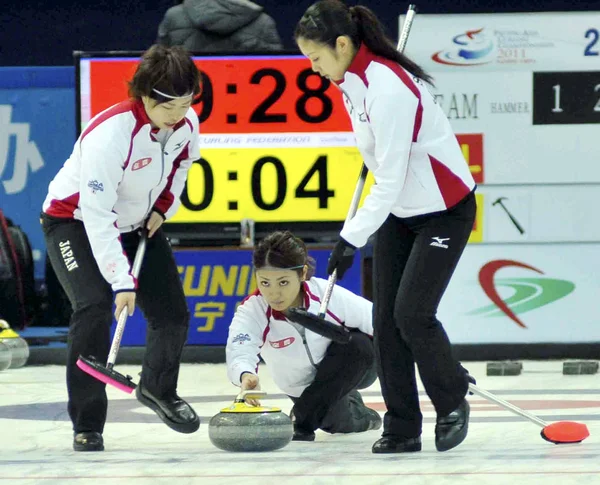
421 209
126 172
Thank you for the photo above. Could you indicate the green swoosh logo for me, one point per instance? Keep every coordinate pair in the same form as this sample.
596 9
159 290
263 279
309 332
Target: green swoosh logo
530 293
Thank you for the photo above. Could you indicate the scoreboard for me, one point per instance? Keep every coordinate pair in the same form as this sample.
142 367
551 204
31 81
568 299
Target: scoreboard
276 143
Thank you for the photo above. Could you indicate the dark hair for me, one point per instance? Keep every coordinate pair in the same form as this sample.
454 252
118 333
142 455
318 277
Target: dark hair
324 21
281 249
170 70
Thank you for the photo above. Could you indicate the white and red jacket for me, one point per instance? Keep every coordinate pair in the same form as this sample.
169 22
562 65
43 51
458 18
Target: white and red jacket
292 358
405 140
117 174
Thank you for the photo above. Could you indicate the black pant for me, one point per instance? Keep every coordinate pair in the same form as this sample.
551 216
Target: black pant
331 402
160 297
413 261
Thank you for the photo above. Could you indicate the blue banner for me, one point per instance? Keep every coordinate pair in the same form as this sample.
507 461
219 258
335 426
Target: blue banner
37 133
215 282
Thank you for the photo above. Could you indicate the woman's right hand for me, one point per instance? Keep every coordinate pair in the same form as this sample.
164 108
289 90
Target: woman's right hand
249 382
124 299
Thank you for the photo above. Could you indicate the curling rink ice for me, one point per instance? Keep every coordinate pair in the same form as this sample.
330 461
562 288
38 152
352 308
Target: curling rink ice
501 448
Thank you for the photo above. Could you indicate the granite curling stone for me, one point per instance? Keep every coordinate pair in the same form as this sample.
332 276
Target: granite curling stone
241 427
19 348
5 357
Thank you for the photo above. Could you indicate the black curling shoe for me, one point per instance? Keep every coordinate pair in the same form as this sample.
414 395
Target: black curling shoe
451 430
374 418
303 435
393 444
174 411
88 441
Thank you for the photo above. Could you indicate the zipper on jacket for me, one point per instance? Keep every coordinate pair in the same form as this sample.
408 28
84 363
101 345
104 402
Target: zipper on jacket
345 94
312 362
303 335
162 172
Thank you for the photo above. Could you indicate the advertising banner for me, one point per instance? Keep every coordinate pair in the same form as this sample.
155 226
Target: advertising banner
215 281
535 293
37 132
525 41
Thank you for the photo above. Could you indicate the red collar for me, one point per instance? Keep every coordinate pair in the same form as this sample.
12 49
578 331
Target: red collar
361 61
277 315
140 112
142 117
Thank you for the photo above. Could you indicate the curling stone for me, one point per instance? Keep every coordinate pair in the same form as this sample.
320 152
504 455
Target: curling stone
19 349
580 367
506 368
5 357
241 427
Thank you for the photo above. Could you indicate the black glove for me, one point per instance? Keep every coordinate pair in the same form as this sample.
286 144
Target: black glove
341 258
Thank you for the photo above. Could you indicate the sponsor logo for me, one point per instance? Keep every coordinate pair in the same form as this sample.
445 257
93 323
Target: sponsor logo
503 46
471 48
240 338
438 242
67 255
528 293
280 344
95 186
178 145
141 163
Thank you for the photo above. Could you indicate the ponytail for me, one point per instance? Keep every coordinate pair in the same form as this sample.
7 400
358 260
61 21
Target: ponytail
371 32
324 21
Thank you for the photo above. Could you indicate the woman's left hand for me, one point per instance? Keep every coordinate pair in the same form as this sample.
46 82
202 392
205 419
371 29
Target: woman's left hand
154 222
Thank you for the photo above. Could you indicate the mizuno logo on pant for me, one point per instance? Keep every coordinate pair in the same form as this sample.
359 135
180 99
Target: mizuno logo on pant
438 242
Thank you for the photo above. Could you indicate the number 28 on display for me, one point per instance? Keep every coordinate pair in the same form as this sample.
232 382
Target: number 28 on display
252 95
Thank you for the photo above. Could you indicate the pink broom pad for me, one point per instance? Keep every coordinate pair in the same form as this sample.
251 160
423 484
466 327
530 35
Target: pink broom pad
107 379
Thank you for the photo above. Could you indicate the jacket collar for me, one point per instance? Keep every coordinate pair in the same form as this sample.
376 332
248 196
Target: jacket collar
277 315
139 112
359 64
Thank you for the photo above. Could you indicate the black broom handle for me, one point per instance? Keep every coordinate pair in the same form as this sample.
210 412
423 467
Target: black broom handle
135 271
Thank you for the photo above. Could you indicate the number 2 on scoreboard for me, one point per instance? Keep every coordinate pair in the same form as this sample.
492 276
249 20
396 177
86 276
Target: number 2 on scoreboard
594 35
558 109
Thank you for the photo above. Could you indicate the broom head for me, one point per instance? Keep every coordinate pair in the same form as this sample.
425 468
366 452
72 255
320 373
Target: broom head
92 367
314 323
563 432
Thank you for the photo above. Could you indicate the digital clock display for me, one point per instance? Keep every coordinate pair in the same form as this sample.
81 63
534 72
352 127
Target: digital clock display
276 141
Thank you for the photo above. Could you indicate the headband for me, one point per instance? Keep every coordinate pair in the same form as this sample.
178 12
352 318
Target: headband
172 97
272 268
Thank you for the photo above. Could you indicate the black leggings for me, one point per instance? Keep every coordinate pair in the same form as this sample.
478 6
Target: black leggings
160 297
413 262
332 401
